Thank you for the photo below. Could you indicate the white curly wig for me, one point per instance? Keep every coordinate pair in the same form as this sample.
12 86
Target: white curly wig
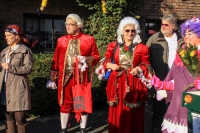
123 23
76 18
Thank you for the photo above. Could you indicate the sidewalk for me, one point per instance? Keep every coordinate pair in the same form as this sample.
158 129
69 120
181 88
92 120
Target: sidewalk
97 123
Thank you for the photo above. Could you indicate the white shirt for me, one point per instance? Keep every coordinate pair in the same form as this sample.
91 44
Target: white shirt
172 45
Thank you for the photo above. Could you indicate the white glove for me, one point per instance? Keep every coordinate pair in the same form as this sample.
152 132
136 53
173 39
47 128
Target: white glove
51 84
161 94
82 64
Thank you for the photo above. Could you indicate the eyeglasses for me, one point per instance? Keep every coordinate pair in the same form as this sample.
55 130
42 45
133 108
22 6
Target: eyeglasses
189 34
11 30
166 25
70 24
132 31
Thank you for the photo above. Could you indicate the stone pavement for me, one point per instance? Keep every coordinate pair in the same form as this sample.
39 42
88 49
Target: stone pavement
97 123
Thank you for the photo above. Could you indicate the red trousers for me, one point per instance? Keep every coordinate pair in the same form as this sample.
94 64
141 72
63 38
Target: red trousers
67 105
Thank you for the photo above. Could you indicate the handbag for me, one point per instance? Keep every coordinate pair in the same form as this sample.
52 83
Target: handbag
82 97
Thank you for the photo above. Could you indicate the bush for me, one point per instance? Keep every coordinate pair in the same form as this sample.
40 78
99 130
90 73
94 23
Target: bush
99 97
44 101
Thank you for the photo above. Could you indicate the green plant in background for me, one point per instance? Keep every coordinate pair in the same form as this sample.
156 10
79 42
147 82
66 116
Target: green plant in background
44 101
104 19
103 24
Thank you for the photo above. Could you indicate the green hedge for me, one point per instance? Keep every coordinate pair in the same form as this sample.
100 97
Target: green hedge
44 101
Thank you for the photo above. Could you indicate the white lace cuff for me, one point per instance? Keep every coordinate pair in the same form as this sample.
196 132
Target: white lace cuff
82 63
146 81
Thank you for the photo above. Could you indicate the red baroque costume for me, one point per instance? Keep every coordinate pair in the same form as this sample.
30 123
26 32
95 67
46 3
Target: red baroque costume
126 93
63 68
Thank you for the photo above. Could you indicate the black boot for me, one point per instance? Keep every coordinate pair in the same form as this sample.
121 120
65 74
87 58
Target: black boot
82 130
63 131
155 128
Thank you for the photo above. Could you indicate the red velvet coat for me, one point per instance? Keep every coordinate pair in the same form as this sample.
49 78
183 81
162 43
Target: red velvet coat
87 48
123 119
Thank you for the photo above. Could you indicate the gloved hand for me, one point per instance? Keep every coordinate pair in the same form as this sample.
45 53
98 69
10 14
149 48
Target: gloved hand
51 84
155 81
162 85
197 83
82 63
161 94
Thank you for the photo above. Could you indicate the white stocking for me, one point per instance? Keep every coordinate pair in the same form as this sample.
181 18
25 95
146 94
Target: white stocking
64 117
83 121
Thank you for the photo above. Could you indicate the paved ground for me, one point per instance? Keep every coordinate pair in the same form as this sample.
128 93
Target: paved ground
97 123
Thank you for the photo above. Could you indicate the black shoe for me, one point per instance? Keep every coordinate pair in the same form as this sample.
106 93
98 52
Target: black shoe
82 130
156 130
64 131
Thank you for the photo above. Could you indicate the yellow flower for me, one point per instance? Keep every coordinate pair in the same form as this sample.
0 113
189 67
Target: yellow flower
137 16
103 6
182 53
192 53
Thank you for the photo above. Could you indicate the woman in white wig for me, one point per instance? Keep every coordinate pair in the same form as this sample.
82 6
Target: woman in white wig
128 60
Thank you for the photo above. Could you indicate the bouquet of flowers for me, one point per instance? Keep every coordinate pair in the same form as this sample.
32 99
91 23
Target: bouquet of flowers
190 56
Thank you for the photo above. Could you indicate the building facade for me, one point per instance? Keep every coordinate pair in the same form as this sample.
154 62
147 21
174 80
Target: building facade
42 28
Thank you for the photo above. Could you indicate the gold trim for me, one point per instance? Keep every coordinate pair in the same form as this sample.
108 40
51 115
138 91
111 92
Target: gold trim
132 105
65 60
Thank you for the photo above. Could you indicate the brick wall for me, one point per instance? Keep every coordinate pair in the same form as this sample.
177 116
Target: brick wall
11 11
182 9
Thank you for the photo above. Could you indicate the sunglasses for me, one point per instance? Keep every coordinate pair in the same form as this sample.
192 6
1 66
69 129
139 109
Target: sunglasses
132 31
165 25
70 25
11 30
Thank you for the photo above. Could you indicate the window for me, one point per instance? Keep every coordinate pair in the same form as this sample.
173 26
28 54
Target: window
151 27
42 31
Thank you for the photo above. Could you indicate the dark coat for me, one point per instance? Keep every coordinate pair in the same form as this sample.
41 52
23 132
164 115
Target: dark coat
159 51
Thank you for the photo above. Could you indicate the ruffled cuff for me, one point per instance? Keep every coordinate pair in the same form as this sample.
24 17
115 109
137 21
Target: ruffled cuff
53 75
100 69
82 63
145 80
